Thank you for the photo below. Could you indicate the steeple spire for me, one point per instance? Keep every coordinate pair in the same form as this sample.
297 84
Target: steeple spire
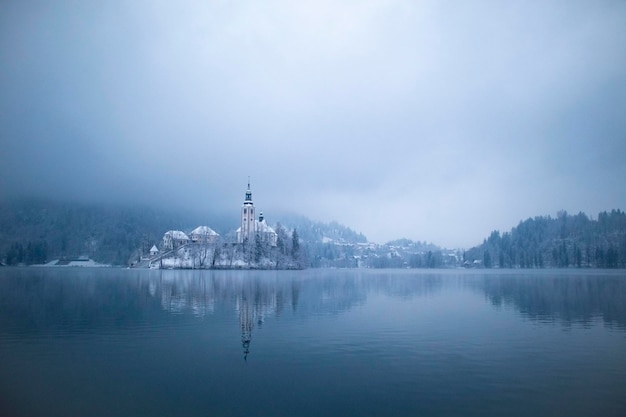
248 194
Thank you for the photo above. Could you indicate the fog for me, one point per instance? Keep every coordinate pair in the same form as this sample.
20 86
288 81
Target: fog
430 120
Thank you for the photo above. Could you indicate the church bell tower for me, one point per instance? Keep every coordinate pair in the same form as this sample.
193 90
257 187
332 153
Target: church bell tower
248 222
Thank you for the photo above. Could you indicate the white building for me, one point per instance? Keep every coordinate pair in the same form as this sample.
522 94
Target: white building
174 238
250 227
203 234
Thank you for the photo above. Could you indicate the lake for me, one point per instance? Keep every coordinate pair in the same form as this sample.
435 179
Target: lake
117 342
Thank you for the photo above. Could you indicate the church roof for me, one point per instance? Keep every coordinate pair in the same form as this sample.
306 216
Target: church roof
177 234
263 227
204 231
154 249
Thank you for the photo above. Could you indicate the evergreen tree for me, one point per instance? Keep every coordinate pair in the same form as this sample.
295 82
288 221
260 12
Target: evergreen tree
258 248
487 259
295 244
564 241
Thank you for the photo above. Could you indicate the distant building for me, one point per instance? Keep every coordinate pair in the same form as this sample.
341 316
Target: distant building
250 227
203 234
154 251
174 239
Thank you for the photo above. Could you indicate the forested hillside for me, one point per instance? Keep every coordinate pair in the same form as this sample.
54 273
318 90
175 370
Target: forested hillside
564 241
318 232
34 231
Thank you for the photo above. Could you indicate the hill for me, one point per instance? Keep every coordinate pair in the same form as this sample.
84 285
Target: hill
34 231
564 241
319 232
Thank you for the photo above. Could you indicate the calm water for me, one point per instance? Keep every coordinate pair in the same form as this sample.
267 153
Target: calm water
112 342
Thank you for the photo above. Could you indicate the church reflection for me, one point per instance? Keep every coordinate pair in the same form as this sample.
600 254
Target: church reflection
253 304
246 322
541 296
41 300
258 296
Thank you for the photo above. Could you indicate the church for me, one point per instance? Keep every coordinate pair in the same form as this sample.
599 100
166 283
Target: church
251 227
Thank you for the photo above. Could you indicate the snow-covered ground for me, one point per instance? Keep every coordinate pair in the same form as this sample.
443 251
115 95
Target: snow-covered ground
205 256
78 262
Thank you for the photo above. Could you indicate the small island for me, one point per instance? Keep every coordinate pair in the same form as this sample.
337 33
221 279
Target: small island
256 245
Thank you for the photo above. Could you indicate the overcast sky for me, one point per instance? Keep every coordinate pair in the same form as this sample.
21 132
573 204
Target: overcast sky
431 120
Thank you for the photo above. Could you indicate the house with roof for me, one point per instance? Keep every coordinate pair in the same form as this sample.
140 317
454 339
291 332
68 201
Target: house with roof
173 239
203 234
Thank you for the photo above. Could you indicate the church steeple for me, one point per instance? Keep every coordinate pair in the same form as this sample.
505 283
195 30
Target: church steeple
251 228
248 199
248 221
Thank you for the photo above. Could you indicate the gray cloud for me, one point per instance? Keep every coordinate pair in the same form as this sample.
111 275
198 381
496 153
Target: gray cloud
436 121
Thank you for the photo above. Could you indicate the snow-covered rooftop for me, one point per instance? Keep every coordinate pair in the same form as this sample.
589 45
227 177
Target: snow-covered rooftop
263 227
204 231
177 234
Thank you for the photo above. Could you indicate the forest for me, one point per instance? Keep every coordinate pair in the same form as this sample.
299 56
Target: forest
561 242
34 231
37 231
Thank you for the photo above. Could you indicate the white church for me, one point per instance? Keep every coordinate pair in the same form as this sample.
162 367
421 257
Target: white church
247 232
251 227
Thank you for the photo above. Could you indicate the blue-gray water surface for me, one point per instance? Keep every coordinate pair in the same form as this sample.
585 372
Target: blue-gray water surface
115 342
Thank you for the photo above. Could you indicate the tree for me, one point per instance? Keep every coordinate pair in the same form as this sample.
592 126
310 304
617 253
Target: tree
200 253
298 255
487 259
258 248
217 253
295 244
281 239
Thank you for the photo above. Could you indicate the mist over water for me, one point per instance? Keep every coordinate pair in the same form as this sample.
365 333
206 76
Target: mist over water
317 342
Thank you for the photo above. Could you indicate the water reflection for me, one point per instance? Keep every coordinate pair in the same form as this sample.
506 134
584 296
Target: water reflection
262 294
324 342
44 300
37 300
561 296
